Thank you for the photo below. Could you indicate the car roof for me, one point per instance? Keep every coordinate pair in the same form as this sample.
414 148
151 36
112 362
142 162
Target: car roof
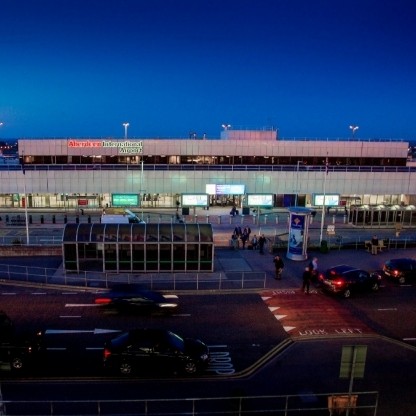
402 260
343 268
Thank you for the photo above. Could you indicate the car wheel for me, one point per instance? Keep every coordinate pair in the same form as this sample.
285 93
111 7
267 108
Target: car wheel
16 364
190 367
402 280
375 287
347 293
126 368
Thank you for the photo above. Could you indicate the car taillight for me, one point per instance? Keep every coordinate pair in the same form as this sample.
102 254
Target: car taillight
102 301
107 353
338 282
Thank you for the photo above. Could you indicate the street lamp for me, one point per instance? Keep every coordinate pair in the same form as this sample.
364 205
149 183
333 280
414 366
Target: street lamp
125 129
226 126
297 182
353 129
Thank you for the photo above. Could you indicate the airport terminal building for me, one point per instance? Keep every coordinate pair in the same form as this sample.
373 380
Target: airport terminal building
102 172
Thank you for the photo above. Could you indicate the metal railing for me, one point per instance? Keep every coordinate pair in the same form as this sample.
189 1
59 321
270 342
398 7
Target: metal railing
208 167
155 281
363 403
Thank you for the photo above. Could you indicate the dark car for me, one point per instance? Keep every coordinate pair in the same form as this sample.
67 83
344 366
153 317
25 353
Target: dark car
15 353
346 280
6 327
401 270
155 351
133 297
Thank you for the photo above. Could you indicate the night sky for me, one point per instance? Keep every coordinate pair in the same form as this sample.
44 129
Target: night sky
311 68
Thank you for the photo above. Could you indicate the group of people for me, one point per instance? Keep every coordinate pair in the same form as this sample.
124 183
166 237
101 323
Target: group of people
240 235
244 236
310 272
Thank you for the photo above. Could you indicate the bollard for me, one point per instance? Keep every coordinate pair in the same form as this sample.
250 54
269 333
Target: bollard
53 219
77 219
30 219
196 219
345 219
7 218
219 219
65 219
89 219
42 219
207 219
333 219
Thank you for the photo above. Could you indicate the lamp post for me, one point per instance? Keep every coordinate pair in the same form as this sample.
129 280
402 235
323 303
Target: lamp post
353 130
226 126
297 182
126 125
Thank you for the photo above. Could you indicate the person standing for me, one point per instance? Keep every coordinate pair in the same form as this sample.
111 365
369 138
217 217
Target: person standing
262 242
374 244
313 268
306 278
279 265
254 242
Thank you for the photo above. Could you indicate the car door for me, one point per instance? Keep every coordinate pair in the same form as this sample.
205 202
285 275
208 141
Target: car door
139 355
165 357
363 280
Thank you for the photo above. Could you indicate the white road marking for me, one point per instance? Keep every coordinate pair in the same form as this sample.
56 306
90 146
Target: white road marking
70 316
96 331
387 309
409 339
288 328
273 308
81 305
279 317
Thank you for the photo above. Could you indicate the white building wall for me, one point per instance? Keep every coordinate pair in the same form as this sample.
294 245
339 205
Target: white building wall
195 181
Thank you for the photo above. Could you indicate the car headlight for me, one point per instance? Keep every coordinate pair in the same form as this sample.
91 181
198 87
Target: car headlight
204 357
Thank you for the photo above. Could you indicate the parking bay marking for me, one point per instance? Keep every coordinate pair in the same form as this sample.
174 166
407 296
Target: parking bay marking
220 361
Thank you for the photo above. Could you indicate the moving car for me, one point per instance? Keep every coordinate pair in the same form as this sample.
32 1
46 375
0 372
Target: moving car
401 270
346 280
155 350
133 297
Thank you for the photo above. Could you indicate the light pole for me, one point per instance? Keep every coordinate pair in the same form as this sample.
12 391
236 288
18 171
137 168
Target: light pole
126 125
354 129
297 182
226 126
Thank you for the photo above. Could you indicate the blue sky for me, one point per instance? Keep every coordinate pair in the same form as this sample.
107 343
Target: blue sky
80 68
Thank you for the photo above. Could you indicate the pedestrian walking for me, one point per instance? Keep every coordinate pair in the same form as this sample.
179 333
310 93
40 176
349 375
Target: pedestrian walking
254 242
306 277
279 266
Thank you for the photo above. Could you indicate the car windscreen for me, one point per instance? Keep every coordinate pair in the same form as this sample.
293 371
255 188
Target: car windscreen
176 341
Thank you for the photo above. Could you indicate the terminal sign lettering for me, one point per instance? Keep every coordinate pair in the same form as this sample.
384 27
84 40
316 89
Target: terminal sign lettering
124 147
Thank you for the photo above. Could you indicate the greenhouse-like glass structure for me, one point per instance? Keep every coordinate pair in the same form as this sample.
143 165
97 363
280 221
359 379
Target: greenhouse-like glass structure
155 247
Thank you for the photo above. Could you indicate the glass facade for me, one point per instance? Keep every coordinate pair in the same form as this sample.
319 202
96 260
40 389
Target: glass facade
138 247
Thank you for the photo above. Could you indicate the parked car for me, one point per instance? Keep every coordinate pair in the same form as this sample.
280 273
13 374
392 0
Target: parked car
6 326
155 351
346 280
15 353
135 298
401 270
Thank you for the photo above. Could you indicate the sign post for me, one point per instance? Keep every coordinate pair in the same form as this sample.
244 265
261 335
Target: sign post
352 366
